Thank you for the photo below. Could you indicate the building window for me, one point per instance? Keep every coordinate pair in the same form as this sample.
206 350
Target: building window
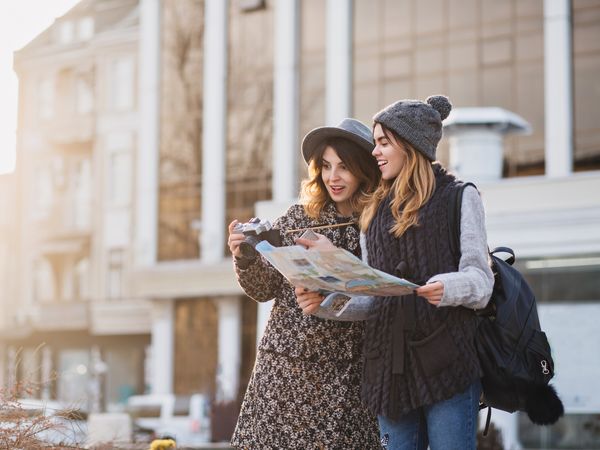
43 281
120 178
581 431
85 28
122 84
563 279
65 94
82 279
73 385
114 288
82 194
66 32
586 84
43 192
85 97
46 98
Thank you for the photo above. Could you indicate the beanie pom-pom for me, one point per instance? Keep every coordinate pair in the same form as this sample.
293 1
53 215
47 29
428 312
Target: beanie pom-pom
543 405
441 104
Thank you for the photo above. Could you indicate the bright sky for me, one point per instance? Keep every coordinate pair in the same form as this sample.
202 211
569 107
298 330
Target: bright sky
20 22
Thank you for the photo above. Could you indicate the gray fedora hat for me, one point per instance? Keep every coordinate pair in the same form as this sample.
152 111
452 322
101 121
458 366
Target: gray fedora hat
351 129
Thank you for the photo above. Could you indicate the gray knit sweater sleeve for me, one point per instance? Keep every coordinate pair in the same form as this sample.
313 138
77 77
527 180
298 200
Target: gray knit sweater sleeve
472 285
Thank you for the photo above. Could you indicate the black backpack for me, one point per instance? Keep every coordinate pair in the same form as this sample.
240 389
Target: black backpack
513 350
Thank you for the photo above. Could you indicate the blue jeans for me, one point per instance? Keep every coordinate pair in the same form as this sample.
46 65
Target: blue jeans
447 425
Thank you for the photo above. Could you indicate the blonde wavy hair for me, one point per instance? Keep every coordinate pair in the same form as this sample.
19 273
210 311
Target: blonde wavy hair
411 189
313 192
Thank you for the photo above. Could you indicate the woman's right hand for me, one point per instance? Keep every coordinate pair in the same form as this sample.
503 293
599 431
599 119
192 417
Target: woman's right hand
235 239
321 243
309 301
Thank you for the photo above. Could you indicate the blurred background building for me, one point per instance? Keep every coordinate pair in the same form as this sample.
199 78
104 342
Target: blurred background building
146 126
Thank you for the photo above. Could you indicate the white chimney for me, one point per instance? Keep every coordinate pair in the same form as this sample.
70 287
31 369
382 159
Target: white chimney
475 136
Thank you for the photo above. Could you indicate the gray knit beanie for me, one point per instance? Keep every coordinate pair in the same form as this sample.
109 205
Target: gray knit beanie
420 124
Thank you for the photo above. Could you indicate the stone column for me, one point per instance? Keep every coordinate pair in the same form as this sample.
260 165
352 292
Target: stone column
286 103
229 358
146 194
558 88
214 134
339 61
163 347
286 118
97 383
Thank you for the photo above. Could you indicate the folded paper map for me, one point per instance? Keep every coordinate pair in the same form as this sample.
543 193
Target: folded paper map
332 271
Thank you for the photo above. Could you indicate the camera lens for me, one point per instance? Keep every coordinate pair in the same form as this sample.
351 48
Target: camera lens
247 247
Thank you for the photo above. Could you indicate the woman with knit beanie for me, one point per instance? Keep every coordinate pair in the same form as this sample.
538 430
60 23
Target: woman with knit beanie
304 392
421 373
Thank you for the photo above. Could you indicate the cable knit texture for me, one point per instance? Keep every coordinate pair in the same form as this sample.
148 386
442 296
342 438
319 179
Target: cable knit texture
436 347
304 392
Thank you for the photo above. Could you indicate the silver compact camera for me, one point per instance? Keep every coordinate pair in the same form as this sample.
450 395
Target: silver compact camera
255 231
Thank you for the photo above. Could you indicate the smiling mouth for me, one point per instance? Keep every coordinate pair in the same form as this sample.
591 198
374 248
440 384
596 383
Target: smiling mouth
381 163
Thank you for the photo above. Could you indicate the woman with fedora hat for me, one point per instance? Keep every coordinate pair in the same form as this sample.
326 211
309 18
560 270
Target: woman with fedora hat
304 391
421 372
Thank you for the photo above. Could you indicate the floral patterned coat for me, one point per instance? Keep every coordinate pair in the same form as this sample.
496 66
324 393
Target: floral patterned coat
304 392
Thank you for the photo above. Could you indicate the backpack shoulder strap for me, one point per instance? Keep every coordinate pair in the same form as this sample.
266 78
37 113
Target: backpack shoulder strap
454 212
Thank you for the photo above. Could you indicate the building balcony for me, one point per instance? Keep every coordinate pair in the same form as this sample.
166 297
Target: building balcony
60 316
64 219
70 129
186 278
71 245
123 316
117 317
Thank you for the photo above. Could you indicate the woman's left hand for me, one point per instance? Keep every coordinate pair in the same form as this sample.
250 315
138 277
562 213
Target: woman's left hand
433 292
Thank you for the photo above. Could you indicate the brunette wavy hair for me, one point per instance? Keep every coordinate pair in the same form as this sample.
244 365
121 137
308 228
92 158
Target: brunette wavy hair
313 192
411 189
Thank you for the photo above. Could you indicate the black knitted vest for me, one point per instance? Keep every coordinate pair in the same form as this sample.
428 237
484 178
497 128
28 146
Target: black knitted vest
415 353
